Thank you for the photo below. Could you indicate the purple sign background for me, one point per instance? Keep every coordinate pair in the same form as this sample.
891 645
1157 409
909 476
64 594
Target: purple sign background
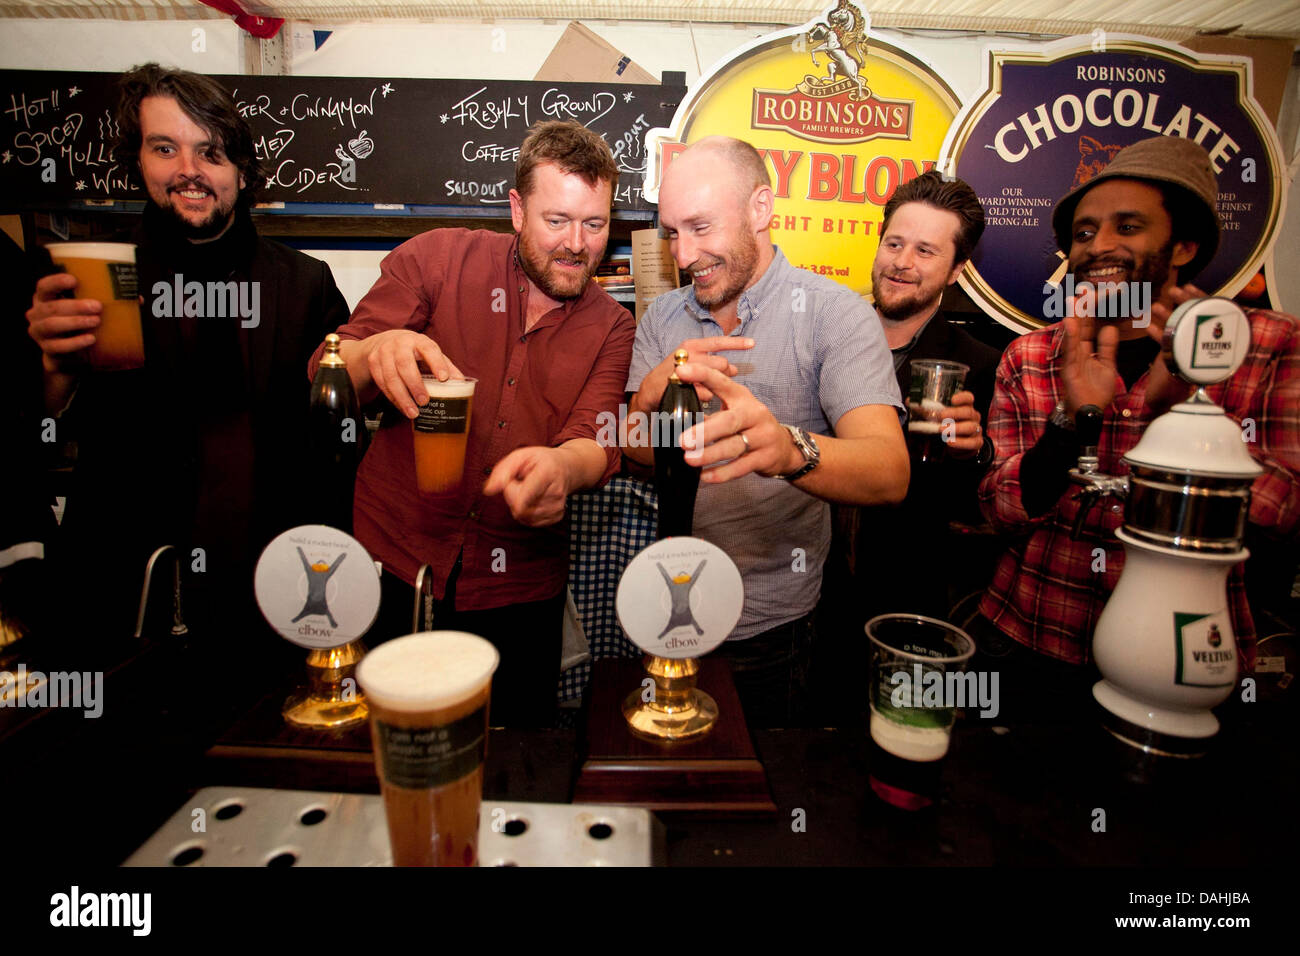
1149 95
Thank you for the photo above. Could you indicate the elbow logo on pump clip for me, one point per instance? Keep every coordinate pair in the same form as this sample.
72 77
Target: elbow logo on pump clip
680 597
317 586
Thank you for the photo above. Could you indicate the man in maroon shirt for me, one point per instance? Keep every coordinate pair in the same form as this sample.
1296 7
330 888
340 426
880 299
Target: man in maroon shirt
550 350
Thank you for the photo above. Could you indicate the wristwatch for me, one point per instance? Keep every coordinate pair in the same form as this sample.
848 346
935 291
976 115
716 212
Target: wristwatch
807 446
1060 419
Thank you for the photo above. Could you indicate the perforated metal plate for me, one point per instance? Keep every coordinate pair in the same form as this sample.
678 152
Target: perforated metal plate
246 826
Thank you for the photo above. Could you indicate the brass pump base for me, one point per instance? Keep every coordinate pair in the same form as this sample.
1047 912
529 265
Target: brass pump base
678 709
326 703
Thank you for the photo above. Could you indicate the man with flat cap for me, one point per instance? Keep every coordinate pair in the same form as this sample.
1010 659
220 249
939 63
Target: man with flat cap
1148 217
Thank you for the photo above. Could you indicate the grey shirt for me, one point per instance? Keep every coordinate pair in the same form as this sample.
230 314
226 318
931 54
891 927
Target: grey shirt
819 352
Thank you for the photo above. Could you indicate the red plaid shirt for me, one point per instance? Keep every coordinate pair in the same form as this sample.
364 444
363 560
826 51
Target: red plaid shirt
1044 593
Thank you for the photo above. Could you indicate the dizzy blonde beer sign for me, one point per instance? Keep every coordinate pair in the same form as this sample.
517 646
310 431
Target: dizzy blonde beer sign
841 119
1052 117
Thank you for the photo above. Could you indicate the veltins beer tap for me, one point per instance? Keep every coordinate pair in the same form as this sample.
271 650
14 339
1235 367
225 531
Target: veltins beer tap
1164 642
675 480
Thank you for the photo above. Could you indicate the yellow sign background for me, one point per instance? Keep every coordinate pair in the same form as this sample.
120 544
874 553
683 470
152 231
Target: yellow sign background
838 236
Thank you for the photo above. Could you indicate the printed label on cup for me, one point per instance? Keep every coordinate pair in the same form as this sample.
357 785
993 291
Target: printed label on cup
422 757
443 416
903 701
123 277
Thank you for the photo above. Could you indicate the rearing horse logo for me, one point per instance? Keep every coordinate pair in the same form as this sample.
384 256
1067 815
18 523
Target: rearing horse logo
843 38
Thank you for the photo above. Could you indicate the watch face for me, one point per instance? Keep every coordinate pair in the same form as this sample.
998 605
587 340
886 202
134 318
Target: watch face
808 445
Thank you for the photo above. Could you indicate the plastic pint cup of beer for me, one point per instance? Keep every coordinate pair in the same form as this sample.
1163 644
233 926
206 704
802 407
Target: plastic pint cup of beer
106 271
441 431
428 696
916 683
934 383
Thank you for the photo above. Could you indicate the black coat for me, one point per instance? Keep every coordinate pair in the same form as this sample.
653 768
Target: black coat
904 555
203 447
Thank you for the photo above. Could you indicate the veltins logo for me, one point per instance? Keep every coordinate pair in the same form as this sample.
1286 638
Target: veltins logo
1211 349
838 106
1214 637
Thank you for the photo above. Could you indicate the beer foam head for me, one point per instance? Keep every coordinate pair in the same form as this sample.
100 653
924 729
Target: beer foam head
428 670
452 388
107 251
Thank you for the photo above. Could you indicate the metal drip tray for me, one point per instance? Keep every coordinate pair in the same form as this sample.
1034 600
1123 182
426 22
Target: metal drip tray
245 826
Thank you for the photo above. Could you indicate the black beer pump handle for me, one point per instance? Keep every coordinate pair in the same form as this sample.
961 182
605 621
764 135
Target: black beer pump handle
1087 425
1087 430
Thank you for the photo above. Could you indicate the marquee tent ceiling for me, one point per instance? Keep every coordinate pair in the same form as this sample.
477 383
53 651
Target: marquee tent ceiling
1176 20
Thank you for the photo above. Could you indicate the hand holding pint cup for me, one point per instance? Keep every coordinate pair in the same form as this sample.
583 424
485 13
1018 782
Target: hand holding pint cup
428 696
441 432
106 271
934 383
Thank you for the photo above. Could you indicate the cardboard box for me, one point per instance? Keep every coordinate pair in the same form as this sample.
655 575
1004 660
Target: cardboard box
583 57
1272 58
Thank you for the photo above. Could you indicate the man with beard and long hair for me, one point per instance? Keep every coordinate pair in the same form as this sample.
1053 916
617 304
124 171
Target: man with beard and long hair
202 447
550 351
1148 217
805 408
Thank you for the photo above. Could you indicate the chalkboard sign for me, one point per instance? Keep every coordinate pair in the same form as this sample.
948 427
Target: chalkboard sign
330 139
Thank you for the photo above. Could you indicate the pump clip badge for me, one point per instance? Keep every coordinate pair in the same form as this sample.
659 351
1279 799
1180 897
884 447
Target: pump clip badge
679 598
317 586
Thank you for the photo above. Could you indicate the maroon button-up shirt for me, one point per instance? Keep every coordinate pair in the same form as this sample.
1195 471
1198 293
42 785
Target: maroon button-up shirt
466 291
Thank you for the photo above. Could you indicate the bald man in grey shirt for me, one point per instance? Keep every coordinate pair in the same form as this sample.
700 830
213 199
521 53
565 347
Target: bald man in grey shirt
804 408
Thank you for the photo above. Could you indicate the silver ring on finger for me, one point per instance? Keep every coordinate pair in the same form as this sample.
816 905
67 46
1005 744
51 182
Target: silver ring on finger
745 439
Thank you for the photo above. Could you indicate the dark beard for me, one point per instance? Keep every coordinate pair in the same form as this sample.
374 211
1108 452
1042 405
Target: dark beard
900 308
903 306
1154 269
210 228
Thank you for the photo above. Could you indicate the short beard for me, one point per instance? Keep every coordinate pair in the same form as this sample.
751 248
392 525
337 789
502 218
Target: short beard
901 307
1154 269
739 264
543 281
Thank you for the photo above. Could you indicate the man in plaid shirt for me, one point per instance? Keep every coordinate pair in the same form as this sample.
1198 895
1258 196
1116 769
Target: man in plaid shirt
1147 217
